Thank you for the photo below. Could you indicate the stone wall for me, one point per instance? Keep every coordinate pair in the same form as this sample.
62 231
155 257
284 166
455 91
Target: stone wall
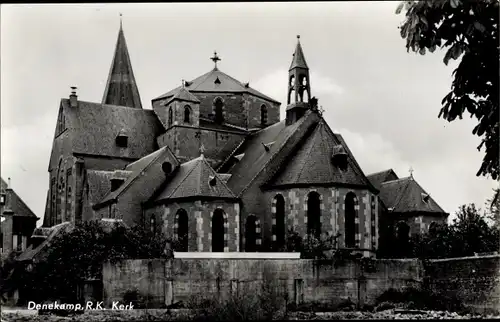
303 281
473 280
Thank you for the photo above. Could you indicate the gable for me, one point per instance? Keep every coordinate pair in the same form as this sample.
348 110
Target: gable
14 203
94 128
378 178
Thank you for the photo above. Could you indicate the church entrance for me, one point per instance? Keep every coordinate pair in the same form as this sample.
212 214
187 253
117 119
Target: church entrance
218 231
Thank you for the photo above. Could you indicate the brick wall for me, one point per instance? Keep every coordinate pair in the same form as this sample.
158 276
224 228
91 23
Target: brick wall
199 224
473 280
303 280
253 106
185 143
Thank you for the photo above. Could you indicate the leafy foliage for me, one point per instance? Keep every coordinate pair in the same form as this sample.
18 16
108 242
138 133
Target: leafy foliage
469 30
79 254
493 206
469 234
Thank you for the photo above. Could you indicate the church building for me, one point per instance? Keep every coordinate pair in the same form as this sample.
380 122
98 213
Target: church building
211 165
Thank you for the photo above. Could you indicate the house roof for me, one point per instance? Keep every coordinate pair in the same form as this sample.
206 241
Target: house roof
406 195
378 178
136 169
51 232
14 203
207 83
183 95
255 157
192 180
93 128
312 162
299 59
121 87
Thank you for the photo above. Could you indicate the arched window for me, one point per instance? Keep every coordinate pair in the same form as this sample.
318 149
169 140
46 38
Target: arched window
251 234
350 220
60 194
432 227
313 214
291 96
280 221
218 231
170 117
218 107
182 230
152 224
305 96
402 233
187 114
303 80
263 115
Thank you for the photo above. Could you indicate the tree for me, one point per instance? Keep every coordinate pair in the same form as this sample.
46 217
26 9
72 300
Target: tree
493 206
469 29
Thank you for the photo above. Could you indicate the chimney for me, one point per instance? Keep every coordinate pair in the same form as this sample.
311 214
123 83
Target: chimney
73 99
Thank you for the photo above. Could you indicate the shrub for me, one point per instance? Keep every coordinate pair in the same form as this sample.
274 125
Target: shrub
134 297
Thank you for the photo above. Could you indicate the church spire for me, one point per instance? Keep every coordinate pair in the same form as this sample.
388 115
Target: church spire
121 88
298 57
299 89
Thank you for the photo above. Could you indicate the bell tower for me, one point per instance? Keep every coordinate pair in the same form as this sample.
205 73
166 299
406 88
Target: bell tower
299 89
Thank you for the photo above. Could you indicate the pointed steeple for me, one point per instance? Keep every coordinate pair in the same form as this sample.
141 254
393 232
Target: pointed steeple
298 57
121 88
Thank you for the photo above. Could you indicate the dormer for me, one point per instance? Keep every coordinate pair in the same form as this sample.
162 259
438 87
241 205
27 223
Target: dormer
339 156
122 139
118 178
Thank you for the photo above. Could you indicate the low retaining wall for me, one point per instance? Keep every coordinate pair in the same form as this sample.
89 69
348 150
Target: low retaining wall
164 282
475 281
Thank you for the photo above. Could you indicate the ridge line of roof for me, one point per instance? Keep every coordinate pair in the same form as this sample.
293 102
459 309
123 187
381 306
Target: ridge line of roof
218 177
133 178
379 172
400 197
308 152
185 177
398 179
302 120
232 153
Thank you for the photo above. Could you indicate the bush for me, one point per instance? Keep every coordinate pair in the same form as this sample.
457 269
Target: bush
424 299
134 297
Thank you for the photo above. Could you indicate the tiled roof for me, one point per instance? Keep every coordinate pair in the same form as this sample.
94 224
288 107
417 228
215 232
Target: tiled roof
206 83
14 203
255 157
406 195
298 57
137 168
312 162
209 124
192 180
379 177
93 128
183 95
99 184
121 88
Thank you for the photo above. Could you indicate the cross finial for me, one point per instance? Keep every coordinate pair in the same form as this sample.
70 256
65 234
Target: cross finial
215 58
298 36
202 150
411 171
183 83
121 15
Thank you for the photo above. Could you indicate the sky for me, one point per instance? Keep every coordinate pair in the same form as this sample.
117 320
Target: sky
382 99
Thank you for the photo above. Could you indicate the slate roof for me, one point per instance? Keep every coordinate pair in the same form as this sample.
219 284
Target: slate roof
255 157
14 203
209 124
382 176
312 164
192 180
183 95
299 59
93 128
121 87
137 168
206 83
405 195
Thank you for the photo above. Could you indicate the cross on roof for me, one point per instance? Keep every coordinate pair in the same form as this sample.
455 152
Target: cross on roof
411 171
215 58
121 15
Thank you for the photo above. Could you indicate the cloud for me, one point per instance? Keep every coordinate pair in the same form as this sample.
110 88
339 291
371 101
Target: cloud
275 85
